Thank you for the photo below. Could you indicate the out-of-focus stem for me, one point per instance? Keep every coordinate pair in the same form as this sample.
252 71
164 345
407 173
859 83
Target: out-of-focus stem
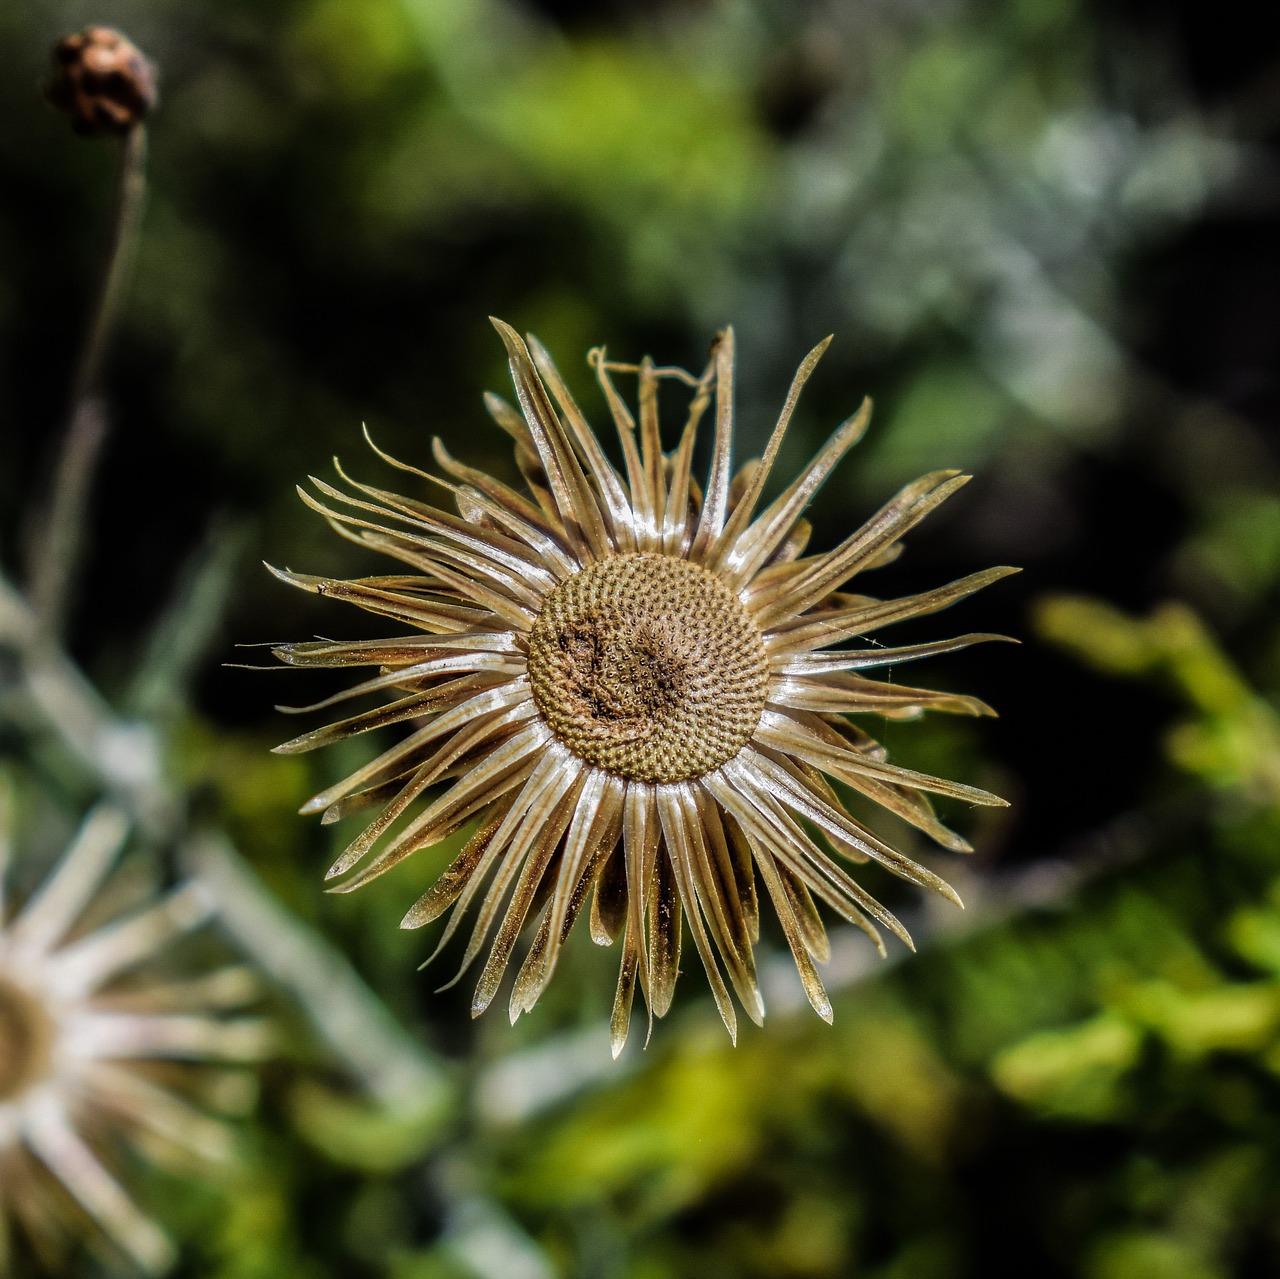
355 1025
58 536
122 755
131 196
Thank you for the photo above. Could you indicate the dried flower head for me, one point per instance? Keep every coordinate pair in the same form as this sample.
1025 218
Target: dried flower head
89 1035
628 683
102 81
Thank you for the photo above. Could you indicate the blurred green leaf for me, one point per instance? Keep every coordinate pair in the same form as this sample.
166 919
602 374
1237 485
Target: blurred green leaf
366 1136
1073 1073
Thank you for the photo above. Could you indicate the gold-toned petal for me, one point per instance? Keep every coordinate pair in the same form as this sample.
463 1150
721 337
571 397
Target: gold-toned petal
479 572
743 872
676 532
640 840
467 581
715 507
651 441
894 519
683 499
872 658
609 901
507 508
714 903
785 734
529 851
540 963
645 508
616 507
509 419
735 881
575 503
416 705
676 834
538 868
803 633
598 810
828 818
757 545
507 552
369 594
370 797
845 694
411 678
624 996
473 720
755 478
911 805
742 480
502 771
485 528
814 990
765 822
789 551
812 930
664 935
819 785
454 878
552 785
531 471
401 654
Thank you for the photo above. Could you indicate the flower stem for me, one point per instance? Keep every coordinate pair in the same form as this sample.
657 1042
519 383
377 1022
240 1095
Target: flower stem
58 539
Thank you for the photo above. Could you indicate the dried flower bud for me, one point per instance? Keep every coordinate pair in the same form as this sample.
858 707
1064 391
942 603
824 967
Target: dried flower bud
101 81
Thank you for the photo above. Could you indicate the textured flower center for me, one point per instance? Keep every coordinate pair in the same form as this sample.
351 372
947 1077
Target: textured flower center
25 1035
649 667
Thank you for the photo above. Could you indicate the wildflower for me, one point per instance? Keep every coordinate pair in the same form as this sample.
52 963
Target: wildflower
627 683
84 1024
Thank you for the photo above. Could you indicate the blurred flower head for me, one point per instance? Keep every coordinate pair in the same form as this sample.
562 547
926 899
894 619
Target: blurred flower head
91 1038
628 682
102 81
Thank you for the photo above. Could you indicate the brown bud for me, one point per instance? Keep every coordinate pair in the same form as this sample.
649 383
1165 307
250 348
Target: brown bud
101 81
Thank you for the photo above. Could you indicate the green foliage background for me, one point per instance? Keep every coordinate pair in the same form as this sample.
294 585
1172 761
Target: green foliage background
1012 216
